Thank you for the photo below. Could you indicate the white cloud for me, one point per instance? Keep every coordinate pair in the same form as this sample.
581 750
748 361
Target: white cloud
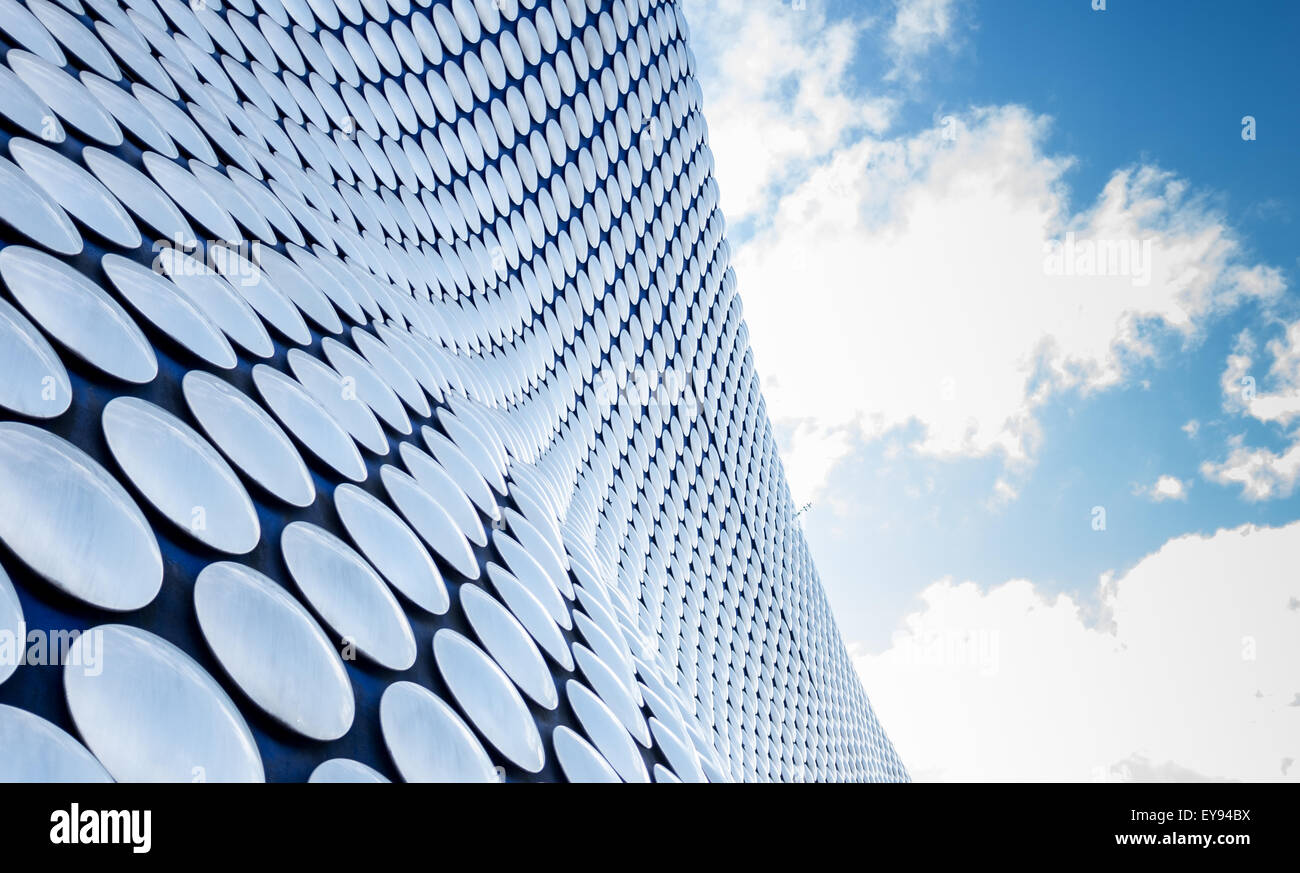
931 257
777 97
1262 473
1282 405
821 449
1190 673
1236 383
1192 428
918 26
1003 493
900 279
1241 392
1165 488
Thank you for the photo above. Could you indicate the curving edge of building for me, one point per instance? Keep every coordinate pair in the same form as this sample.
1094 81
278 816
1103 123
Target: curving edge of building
376 404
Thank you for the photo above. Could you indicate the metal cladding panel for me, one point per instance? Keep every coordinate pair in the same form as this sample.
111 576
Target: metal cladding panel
376 403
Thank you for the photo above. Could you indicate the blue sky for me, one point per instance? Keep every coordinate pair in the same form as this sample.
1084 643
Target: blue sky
1133 83
1156 81
902 165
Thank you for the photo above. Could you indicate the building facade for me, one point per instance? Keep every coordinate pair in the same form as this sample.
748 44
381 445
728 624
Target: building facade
376 403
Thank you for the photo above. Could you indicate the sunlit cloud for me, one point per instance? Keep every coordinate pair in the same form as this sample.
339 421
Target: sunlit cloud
1189 670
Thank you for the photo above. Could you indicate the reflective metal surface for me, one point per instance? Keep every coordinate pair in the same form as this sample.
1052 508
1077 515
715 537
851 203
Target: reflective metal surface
427 739
508 643
248 437
35 383
533 576
161 303
612 692
531 614
193 199
339 399
459 268
663 774
78 313
580 760
150 713
211 293
141 196
443 489
603 729
13 630
66 96
181 475
487 696
78 192
430 520
274 650
20 105
37 751
348 595
369 386
344 770
392 547
311 424
68 519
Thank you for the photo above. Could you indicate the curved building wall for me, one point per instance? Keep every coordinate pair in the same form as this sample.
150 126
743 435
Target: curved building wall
376 402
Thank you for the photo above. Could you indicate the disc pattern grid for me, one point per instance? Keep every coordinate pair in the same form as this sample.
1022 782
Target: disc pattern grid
467 258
